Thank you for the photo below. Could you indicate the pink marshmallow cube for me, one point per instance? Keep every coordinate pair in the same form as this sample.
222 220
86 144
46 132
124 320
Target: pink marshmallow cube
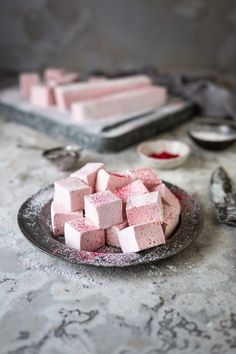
57 76
59 216
141 237
27 81
143 208
134 188
147 175
171 220
104 209
167 196
112 180
42 96
70 192
112 234
82 235
88 173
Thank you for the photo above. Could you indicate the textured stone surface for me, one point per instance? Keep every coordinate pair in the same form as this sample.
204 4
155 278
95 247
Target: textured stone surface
175 35
185 304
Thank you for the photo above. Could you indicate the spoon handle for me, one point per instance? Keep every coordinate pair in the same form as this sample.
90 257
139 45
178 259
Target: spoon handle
30 147
223 197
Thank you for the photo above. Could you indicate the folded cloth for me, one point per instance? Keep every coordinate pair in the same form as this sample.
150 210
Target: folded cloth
212 98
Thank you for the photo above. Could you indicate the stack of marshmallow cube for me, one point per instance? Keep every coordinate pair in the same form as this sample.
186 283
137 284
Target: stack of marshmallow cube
132 210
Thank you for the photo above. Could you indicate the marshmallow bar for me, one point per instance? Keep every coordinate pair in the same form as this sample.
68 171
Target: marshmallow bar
53 74
59 216
27 81
112 180
167 196
70 193
82 235
104 209
112 234
147 175
171 220
143 208
60 76
68 78
66 95
141 237
119 105
135 188
42 96
88 173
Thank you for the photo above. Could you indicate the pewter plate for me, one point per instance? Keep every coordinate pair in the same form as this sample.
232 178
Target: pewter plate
34 222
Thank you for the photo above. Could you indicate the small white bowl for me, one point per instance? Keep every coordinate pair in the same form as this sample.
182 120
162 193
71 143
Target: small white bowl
158 146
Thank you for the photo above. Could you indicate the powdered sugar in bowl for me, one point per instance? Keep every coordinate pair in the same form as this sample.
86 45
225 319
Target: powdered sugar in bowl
213 134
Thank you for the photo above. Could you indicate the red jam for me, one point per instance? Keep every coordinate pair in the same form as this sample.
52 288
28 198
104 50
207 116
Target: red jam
164 155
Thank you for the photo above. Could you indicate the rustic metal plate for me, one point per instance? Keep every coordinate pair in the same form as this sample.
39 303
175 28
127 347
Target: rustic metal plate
34 222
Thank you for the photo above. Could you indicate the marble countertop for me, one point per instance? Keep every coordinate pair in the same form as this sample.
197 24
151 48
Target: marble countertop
186 304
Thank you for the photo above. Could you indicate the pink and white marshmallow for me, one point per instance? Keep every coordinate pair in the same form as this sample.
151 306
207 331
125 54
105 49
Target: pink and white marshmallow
42 96
104 209
112 180
59 216
70 192
171 220
147 175
143 208
167 196
140 237
27 81
112 232
134 188
82 235
88 173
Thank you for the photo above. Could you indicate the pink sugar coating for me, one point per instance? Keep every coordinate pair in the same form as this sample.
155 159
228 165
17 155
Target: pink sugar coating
111 181
83 225
71 183
101 198
133 188
82 235
143 208
147 175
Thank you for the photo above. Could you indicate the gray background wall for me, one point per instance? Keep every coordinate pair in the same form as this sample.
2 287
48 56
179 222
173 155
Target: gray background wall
196 36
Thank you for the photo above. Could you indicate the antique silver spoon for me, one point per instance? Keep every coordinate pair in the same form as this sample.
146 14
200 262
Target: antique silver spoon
65 158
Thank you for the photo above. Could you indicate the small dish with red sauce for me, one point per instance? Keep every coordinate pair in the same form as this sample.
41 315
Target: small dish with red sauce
164 154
